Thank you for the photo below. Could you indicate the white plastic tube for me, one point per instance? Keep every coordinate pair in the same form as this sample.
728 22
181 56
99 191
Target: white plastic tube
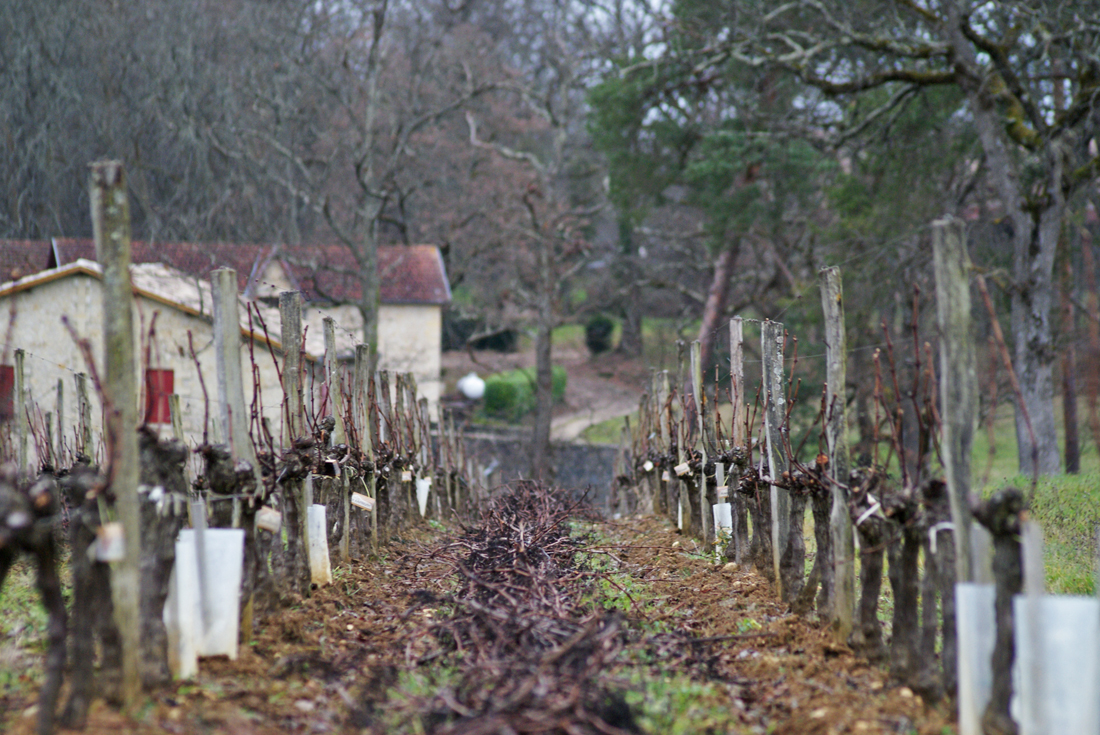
193 631
320 570
1065 700
422 486
976 628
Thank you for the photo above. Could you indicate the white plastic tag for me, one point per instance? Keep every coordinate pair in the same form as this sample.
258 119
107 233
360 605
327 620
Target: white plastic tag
110 542
269 519
365 502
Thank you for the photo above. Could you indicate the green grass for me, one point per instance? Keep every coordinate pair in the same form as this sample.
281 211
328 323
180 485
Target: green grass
23 627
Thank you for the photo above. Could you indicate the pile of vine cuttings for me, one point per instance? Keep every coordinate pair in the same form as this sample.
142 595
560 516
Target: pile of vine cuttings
537 619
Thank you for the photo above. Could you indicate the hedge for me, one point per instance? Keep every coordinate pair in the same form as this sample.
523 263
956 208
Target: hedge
511 395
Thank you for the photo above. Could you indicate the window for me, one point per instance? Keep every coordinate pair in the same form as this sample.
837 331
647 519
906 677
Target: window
159 385
7 392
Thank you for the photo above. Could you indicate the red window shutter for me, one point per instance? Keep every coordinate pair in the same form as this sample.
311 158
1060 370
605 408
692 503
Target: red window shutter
7 392
159 385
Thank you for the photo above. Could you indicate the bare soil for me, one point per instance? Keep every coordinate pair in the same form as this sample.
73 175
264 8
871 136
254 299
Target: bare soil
320 663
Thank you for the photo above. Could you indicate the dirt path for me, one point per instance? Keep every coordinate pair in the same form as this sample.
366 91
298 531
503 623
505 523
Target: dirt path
704 649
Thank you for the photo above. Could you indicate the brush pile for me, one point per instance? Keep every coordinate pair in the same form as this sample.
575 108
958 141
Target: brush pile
529 652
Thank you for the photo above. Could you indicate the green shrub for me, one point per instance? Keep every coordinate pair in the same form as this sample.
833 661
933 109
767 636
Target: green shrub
597 333
511 395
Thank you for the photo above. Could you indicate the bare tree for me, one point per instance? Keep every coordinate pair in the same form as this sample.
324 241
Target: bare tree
1007 59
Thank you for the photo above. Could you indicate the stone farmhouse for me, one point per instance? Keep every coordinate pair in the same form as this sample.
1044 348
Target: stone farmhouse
46 280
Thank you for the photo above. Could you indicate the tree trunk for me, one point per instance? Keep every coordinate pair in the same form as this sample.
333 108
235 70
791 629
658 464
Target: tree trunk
630 341
544 400
1092 375
715 305
1035 240
1069 376
367 258
1031 312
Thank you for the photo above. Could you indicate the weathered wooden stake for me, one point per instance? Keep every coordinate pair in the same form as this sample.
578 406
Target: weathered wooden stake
84 409
334 382
50 456
234 414
958 395
60 413
361 410
176 415
19 408
771 338
227 353
836 439
111 229
385 418
698 396
361 399
335 385
290 317
738 437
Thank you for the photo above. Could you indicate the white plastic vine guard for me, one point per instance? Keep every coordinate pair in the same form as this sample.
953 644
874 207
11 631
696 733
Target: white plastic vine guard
320 569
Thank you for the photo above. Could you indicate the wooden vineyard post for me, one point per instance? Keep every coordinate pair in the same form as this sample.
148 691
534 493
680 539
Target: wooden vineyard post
84 411
360 398
176 416
678 431
386 434
234 419
958 395
771 339
456 463
339 431
290 318
737 436
445 458
49 458
362 417
60 414
698 396
398 414
227 353
385 425
111 229
836 440
334 383
660 431
427 462
19 408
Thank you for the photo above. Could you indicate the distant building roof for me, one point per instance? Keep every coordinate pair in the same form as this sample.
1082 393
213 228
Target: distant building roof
408 274
168 286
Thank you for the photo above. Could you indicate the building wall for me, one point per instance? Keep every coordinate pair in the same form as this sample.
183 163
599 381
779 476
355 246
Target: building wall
410 339
35 323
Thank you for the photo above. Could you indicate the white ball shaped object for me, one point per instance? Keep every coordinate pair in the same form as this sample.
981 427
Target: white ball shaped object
471 386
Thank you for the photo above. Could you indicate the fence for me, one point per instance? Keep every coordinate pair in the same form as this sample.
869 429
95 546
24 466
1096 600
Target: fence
264 508
737 482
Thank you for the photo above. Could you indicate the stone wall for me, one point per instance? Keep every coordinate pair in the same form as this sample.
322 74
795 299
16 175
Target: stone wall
576 466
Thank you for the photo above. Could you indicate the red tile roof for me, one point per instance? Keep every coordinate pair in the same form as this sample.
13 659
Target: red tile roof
408 274
19 258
